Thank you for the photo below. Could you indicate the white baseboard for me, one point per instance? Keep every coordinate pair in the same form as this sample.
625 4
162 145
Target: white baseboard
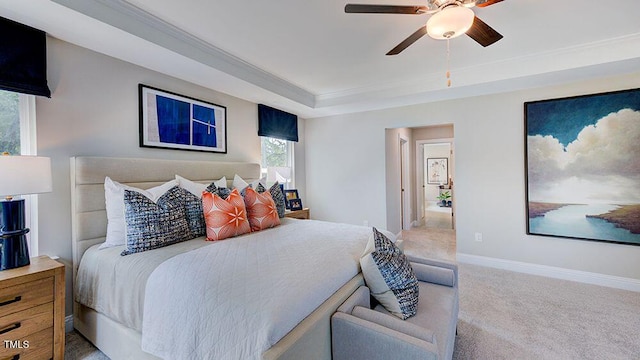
617 282
68 323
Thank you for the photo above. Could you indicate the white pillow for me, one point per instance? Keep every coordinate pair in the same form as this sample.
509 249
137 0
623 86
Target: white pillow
197 188
240 184
114 201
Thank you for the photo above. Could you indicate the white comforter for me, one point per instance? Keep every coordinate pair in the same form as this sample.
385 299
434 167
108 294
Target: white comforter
238 297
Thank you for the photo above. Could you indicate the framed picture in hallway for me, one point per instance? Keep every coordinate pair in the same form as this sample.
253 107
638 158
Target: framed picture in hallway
172 121
583 167
438 171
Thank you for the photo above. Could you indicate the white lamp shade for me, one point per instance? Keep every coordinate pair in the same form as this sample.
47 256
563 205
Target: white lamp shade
449 23
21 175
281 174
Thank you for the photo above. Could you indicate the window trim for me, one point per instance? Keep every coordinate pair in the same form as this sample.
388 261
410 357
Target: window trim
29 146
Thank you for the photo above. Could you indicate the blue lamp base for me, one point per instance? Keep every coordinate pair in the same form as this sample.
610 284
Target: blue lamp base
14 251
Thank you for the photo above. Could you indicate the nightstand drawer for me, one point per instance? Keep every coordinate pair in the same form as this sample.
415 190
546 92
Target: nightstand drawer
24 323
37 346
23 296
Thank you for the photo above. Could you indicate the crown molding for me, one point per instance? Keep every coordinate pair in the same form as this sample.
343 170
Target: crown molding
609 56
127 17
571 59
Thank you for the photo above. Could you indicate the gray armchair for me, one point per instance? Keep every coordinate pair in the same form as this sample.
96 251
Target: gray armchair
359 332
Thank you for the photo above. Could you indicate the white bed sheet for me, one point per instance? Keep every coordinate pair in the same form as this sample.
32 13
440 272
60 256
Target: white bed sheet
114 285
238 297
307 257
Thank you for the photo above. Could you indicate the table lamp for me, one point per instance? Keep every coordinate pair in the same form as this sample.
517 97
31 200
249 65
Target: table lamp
19 175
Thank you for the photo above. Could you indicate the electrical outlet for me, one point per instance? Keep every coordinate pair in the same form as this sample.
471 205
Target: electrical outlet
479 237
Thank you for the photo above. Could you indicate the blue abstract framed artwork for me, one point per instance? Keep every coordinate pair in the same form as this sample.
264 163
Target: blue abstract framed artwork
173 121
583 167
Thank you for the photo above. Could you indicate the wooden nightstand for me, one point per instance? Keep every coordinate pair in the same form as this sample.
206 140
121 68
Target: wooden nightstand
298 214
32 311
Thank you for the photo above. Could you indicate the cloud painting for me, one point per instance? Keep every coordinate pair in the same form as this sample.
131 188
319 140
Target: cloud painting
583 167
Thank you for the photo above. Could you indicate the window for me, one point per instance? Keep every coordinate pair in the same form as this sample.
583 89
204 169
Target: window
9 122
17 136
276 152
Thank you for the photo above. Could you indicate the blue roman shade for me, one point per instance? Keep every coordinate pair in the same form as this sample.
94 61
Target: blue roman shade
23 59
277 123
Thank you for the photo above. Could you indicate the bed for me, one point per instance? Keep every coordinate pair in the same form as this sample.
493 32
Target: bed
118 330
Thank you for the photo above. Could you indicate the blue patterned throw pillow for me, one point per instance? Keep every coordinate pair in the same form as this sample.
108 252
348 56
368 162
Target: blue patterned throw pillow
153 225
389 276
194 213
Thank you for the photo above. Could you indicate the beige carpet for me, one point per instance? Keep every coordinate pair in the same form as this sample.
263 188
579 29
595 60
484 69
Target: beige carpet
430 242
79 348
508 315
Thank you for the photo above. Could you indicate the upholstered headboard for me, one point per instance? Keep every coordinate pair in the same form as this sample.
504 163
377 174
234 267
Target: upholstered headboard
88 214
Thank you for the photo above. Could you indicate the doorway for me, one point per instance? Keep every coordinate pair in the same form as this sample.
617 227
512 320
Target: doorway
436 201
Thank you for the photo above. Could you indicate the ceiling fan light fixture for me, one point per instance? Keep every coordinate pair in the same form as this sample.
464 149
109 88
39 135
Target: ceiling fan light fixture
450 22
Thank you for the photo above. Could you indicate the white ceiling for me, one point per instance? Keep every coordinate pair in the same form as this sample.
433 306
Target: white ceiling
312 59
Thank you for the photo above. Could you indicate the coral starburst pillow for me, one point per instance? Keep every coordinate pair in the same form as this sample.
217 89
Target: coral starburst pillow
261 210
224 218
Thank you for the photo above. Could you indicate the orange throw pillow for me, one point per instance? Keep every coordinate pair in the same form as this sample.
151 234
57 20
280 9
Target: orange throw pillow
261 210
224 218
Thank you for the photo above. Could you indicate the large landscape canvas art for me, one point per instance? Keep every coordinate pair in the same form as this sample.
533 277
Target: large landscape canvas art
583 167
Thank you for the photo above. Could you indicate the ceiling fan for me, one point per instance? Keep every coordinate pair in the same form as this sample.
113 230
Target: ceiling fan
449 19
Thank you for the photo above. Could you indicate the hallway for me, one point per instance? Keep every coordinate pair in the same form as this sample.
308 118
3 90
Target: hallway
430 242
437 217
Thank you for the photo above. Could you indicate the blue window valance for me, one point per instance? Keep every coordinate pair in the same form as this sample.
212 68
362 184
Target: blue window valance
23 59
277 123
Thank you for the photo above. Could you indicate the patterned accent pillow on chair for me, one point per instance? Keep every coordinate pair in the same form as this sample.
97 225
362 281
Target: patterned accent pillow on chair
389 276
261 210
151 225
224 217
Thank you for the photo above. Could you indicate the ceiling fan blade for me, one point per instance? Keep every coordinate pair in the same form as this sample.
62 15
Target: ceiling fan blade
487 3
482 33
384 9
408 41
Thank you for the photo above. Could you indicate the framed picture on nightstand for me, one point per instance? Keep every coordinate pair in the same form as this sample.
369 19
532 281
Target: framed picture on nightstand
295 204
290 194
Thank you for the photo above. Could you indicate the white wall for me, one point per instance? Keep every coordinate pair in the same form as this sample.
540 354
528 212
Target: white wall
94 111
346 178
392 176
433 132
